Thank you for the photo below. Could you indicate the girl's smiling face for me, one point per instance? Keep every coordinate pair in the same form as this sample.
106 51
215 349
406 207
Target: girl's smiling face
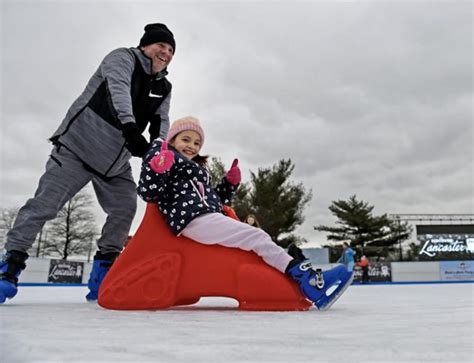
188 143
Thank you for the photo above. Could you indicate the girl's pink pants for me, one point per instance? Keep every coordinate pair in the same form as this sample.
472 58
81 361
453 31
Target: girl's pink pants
215 228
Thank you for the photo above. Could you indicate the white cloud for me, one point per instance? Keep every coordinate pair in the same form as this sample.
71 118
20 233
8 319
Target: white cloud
366 98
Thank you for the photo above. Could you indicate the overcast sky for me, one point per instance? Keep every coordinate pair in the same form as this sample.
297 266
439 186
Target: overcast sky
372 98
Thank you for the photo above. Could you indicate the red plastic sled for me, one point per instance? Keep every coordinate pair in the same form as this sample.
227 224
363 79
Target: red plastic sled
158 270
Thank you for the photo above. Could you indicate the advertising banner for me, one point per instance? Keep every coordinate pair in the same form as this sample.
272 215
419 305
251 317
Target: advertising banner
456 270
445 242
61 271
378 272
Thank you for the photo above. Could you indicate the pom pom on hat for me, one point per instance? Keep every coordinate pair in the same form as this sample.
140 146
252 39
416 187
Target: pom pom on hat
185 124
157 33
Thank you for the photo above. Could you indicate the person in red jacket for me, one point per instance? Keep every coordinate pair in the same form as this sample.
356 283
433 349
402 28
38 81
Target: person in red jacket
364 264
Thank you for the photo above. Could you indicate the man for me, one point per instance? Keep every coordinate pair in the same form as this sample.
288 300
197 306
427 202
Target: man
101 132
347 257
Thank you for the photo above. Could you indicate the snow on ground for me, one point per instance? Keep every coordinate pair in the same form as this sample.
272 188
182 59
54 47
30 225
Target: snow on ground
379 323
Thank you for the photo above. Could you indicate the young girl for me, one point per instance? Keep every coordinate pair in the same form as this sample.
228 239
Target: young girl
175 177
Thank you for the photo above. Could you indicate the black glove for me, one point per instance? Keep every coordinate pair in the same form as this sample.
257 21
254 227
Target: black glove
155 126
135 141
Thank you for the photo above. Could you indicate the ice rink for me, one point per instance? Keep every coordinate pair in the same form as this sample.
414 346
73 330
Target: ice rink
379 323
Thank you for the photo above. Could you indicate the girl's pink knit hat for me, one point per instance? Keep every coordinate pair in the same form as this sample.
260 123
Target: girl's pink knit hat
185 124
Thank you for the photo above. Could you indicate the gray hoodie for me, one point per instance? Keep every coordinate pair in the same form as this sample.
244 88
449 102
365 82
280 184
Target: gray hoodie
122 90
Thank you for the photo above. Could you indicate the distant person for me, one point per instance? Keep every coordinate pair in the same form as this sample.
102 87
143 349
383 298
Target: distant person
102 130
347 257
252 221
175 177
364 265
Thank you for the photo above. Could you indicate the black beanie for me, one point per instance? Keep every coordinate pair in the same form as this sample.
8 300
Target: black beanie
157 33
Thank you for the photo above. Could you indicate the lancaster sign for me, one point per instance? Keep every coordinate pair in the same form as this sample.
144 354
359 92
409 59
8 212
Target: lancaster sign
439 245
445 242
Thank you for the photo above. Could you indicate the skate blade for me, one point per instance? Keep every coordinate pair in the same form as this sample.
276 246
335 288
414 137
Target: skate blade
337 295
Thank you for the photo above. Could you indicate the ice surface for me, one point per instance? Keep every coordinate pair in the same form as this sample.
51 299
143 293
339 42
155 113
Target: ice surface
382 323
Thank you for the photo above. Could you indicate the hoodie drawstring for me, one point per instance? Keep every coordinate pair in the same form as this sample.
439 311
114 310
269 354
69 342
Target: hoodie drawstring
200 191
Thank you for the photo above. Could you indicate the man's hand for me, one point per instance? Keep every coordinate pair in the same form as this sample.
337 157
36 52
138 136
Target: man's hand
135 141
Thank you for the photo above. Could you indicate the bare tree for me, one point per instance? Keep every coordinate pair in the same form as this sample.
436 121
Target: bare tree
73 230
8 216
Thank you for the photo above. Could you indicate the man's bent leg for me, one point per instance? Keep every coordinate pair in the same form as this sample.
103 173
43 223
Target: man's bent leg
64 177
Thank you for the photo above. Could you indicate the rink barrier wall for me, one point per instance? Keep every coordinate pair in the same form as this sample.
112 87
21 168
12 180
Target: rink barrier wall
415 271
37 270
355 283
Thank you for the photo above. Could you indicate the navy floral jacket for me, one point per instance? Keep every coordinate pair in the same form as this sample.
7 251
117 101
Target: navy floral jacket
183 192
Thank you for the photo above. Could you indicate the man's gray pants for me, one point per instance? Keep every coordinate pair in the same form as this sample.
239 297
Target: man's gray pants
64 177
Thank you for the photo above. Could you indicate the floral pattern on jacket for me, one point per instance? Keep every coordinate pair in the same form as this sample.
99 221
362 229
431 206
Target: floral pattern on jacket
183 192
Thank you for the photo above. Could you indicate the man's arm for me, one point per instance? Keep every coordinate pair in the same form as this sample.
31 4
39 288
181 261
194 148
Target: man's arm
164 111
117 69
160 130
